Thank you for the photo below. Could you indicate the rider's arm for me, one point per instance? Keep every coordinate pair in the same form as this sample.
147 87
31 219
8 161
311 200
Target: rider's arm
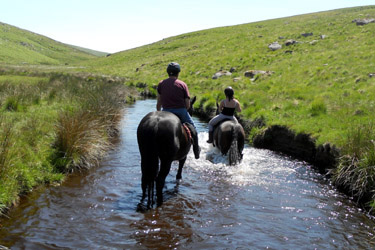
238 107
187 103
158 103
221 107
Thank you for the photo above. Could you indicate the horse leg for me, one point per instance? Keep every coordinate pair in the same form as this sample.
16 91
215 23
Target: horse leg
165 166
180 166
144 187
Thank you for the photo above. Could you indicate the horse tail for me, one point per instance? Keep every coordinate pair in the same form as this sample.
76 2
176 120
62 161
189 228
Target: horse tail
150 167
234 154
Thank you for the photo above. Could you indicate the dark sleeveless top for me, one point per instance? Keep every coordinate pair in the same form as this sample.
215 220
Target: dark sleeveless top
228 111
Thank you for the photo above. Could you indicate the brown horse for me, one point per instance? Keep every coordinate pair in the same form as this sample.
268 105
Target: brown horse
229 137
162 137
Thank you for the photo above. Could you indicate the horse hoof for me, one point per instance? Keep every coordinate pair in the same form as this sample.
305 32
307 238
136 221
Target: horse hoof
159 202
142 208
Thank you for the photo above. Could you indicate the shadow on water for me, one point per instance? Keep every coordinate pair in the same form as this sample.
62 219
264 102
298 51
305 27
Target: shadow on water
268 201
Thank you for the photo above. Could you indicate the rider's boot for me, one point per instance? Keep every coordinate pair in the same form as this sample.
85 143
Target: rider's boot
194 135
196 148
210 136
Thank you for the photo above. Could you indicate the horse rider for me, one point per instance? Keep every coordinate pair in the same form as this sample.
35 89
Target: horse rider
174 97
226 109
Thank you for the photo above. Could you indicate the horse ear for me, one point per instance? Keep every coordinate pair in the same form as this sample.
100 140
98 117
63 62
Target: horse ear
193 100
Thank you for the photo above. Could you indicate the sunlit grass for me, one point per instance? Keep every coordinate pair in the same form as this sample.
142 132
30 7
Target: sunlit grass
54 124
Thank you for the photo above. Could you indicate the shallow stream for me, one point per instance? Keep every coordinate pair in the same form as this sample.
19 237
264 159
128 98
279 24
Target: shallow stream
268 201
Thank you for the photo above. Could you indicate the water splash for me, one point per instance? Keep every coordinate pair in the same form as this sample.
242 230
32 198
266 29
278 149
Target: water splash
256 168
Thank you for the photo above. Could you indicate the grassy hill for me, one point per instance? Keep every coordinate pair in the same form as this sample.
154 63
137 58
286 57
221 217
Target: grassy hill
90 51
320 82
18 46
319 85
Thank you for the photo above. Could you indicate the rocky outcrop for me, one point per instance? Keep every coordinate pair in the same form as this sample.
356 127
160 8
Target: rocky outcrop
365 21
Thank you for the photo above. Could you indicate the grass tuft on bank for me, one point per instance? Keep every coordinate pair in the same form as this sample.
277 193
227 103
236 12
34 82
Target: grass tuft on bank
54 125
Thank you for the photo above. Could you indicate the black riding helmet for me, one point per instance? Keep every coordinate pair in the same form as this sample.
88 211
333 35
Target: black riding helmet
173 68
229 92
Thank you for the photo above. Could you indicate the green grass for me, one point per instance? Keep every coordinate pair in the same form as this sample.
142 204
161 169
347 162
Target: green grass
54 124
318 89
355 172
24 47
322 88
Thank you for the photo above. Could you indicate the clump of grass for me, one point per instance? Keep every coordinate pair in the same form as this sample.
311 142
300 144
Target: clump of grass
75 114
84 133
356 169
12 104
6 160
6 133
318 107
81 140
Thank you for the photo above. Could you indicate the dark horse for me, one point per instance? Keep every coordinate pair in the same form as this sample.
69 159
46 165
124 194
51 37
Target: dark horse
229 137
162 136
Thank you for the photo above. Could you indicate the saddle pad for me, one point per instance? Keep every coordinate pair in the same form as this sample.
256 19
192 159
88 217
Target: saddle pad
188 132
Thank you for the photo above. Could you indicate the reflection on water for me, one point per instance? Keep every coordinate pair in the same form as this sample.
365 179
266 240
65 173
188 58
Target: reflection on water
267 201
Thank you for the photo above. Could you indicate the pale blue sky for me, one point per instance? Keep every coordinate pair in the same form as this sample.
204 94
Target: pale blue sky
116 25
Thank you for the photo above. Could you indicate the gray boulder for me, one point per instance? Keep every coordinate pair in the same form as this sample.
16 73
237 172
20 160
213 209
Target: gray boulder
221 73
307 34
290 42
254 73
274 46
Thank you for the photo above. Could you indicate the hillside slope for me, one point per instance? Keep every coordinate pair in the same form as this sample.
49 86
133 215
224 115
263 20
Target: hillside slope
90 51
18 46
320 81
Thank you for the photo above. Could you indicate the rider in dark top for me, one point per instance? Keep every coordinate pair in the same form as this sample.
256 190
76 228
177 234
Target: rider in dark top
174 97
227 108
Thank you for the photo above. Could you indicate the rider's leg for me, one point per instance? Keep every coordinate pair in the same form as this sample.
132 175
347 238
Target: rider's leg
186 118
213 122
